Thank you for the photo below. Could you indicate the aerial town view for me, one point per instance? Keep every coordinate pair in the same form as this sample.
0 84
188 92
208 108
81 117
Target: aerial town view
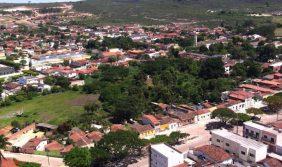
141 83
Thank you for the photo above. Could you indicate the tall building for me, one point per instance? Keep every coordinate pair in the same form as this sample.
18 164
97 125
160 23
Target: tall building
247 150
163 155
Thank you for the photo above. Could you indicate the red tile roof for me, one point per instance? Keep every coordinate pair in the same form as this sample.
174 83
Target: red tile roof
215 153
272 162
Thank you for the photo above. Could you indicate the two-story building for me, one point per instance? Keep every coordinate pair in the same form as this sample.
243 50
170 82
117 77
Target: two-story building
272 136
247 150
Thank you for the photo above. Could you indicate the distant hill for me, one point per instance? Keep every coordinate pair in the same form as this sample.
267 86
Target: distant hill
119 11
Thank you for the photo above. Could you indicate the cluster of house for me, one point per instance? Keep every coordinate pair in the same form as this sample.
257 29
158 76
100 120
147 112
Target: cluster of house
260 145
37 137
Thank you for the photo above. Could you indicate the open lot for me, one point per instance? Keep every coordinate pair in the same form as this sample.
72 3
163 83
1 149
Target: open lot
53 108
278 31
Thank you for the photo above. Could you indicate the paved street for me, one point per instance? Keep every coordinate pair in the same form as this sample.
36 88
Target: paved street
43 160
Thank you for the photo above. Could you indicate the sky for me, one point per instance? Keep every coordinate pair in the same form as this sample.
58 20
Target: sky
34 1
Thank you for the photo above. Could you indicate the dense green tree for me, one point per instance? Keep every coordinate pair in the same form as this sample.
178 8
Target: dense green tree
212 68
224 114
3 145
78 157
266 52
121 144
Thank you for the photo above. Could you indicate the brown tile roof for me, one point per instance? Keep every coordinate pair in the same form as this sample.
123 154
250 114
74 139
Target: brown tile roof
215 153
182 165
141 128
8 162
203 111
54 146
31 145
95 136
4 131
117 127
272 162
240 95
67 149
277 124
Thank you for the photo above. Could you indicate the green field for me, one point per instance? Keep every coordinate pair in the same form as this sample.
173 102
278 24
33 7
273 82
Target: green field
52 108
164 11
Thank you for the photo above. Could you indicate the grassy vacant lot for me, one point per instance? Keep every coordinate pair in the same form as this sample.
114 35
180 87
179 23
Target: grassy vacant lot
278 19
278 32
53 108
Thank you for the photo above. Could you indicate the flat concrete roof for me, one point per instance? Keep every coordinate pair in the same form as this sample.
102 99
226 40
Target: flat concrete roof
249 143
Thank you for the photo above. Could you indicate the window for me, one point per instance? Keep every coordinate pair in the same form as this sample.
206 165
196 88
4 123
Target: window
265 136
272 140
227 144
243 153
227 151
218 140
252 155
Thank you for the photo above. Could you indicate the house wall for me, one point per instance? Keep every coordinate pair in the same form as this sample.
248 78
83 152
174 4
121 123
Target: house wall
203 117
41 145
251 132
160 160
147 135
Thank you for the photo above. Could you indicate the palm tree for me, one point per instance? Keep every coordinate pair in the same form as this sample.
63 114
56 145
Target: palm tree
3 145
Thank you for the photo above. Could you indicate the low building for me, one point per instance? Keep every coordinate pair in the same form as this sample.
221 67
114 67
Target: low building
35 144
144 131
247 150
243 100
162 155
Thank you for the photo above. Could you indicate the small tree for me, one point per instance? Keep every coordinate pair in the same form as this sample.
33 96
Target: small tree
224 114
274 102
91 107
254 111
175 137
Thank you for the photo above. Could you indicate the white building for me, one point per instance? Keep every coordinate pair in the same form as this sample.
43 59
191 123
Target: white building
266 134
163 155
247 150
